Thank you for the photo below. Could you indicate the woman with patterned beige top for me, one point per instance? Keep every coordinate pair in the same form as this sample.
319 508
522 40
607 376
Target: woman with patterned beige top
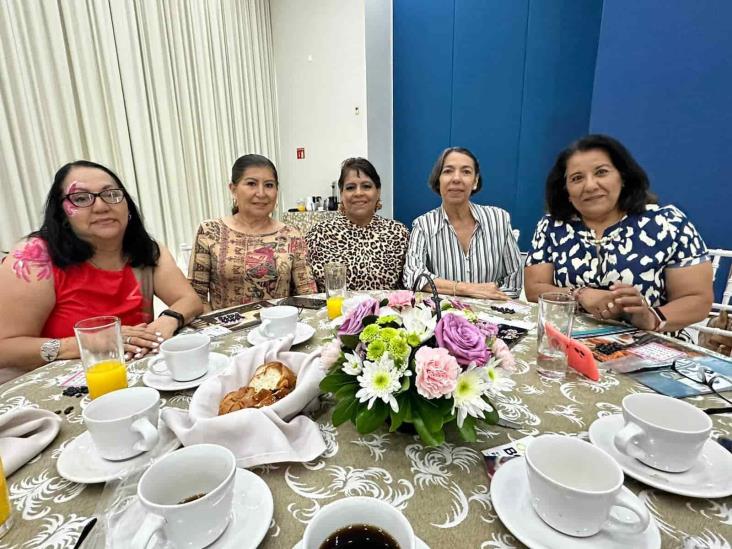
372 247
248 256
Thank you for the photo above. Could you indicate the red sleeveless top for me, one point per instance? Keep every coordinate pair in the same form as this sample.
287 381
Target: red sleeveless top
84 291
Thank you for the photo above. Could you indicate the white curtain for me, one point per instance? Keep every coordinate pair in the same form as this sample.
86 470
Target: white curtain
166 93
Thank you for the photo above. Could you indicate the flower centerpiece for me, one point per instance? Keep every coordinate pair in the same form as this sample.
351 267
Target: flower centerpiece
428 364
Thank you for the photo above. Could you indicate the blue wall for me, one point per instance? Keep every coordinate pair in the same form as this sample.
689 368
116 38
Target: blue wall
511 80
663 86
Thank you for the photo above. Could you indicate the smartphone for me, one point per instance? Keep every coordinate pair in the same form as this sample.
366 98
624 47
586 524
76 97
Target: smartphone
304 302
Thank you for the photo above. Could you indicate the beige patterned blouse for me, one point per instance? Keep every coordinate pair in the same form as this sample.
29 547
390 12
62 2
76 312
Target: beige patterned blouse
229 268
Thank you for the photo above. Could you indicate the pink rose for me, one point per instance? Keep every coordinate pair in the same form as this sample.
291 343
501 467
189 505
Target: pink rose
462 339
401 298
329 353
503 353
437 372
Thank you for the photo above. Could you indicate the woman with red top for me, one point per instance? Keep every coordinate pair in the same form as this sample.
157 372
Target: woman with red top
92 256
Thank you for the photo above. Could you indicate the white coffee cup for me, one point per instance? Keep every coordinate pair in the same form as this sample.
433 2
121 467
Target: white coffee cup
278 321
358 510
574 485
662 432
123 423
206 469
183 357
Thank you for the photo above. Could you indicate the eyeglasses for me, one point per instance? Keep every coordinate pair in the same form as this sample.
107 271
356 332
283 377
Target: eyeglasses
86 199
699 374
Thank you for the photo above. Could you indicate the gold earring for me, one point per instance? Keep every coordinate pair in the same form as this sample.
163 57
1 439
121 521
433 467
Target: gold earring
378 205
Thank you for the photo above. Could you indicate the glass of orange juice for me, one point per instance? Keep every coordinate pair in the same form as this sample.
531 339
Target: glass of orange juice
6 515
335 288
100 344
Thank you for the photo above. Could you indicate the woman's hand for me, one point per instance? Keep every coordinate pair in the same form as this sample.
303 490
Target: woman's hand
164 326
140 340
628 300
599 303
487 290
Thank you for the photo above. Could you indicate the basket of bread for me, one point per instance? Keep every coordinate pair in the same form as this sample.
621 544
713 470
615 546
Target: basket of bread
254 407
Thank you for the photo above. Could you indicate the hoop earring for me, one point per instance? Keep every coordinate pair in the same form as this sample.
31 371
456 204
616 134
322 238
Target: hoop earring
129 217
379 205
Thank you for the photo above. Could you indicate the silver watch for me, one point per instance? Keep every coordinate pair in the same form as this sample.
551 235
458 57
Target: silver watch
49 349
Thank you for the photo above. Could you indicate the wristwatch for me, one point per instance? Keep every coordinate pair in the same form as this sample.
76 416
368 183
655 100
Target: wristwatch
176 315
658 313
49 349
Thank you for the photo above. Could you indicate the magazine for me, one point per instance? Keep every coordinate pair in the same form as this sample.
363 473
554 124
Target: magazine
226 321
670 383
636 350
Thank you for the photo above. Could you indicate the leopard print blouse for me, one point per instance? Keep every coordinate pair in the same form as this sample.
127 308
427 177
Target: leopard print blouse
374 254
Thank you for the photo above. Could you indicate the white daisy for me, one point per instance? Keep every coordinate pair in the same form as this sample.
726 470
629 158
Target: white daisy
472 384
379 380
419 320
352 365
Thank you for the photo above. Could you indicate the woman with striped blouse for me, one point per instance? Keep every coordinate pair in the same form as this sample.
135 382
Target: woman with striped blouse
466 248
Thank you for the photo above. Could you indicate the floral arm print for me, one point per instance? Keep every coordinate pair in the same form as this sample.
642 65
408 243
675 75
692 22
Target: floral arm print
34 254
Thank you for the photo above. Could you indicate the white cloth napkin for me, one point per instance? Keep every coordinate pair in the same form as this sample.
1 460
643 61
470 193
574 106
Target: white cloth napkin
256 436
24 433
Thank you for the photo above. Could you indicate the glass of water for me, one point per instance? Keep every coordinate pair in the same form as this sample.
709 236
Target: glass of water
556 309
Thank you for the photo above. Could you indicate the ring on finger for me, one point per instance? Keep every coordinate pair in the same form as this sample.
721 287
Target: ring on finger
128 339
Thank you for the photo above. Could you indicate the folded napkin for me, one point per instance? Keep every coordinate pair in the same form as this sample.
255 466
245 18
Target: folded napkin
24 433
256 436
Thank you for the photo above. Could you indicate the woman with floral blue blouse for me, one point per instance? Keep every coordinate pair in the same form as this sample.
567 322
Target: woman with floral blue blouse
608 243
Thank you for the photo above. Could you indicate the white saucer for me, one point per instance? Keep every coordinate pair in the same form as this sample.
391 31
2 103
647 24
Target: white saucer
711 477
216 364
251 515
80 462
418 544
303 332
511 501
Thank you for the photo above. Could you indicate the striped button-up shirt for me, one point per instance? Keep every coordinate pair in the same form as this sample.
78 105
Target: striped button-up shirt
493 255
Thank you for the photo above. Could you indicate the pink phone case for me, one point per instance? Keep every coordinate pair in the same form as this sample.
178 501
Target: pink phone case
579 356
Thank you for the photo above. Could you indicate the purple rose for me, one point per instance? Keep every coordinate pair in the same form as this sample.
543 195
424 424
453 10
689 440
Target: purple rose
462 339
353 323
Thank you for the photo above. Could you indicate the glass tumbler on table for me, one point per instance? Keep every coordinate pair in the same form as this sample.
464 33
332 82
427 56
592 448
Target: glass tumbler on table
102 354
335 288
556 309
6 511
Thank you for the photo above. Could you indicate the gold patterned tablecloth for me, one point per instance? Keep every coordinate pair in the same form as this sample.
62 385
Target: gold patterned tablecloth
443 491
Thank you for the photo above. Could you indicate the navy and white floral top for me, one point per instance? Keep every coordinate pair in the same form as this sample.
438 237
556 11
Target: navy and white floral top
636 250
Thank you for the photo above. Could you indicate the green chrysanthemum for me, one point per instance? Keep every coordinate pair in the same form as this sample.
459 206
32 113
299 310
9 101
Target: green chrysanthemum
370 333
387 334
375 349
386 319
399 348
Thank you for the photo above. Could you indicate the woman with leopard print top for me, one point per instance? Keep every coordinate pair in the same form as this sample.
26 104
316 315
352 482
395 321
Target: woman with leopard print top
372 247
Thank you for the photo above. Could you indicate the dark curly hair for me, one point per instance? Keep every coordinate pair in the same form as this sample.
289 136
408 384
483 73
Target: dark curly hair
634 195
434 179
66 249
358 165
247 161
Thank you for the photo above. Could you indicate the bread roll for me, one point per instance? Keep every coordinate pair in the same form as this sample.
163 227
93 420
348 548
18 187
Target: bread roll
271 382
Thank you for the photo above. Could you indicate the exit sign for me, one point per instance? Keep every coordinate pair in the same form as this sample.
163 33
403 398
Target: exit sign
301 153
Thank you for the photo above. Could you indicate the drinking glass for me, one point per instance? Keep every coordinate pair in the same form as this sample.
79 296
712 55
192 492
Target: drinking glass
335 288
556 309
6 511
100 344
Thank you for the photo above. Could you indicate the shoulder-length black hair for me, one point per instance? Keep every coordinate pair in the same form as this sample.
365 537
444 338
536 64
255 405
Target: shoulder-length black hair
247 161
65 248
358 165
434 179
634 195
